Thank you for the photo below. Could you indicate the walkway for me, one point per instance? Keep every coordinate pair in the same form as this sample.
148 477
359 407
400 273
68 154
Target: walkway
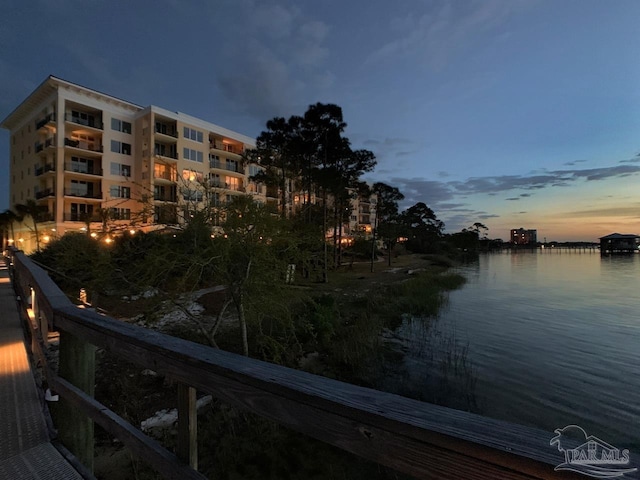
25 448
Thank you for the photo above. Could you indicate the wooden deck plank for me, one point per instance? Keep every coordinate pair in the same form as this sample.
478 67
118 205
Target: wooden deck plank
25 448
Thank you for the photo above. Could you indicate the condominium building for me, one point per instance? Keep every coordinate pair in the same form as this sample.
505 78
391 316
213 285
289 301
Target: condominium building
88 158
520 236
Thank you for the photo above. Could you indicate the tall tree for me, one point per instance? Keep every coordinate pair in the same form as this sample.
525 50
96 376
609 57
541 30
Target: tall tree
387 221
248 262
423 227
31 209
7 219
277 150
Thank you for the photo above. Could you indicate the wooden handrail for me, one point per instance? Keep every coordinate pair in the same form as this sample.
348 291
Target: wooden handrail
417 438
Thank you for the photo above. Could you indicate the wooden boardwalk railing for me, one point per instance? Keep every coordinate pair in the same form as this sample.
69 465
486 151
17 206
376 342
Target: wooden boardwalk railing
420 439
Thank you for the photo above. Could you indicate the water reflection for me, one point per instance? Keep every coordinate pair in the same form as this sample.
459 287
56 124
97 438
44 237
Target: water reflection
553 337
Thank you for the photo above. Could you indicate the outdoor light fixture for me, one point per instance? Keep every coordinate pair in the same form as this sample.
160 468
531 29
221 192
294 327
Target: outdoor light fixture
108 240
132 231
45 239
94 234
21 240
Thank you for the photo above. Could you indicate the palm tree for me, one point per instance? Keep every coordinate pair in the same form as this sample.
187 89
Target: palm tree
31 209
7 218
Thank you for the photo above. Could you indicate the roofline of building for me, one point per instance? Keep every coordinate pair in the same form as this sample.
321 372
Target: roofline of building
204 124
52 81
620 235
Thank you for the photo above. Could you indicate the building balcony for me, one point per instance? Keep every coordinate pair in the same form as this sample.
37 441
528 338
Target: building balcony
165 198
49 167
82 169
85 146
43 122
48 192
40 146
170 176
229 167
167 132
86 122
166 154
80 217
74 192
225 147
46 217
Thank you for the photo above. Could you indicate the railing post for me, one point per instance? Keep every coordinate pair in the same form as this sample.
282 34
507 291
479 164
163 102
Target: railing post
187 450
77 365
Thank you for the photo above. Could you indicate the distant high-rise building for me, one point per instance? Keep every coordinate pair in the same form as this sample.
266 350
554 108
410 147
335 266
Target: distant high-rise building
520 236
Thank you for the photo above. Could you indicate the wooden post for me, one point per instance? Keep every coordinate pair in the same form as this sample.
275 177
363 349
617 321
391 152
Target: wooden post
76 365
187 450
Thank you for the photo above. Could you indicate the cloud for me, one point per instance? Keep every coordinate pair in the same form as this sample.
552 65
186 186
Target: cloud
417 190
280 62
445 196
614 211
575 162
434 36
258 88
557 178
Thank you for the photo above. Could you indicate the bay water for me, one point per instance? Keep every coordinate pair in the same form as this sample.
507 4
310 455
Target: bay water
549 337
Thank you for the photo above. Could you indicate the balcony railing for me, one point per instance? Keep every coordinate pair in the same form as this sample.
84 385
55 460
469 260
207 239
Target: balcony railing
231 167
49 142
87 122
225 147
165 197
49 167
164 153
74 192
171 176
83 145
82 168
170 132
45 193
45 217
80 217
48 118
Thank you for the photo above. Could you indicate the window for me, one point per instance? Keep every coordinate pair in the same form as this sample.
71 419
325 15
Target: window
214 180
193 155
192 176
120 213
254 170
120 125
232 165
233 183
214 161
81 165
191 134
192 195
121 170
120 147
79 188
165 172
117 191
